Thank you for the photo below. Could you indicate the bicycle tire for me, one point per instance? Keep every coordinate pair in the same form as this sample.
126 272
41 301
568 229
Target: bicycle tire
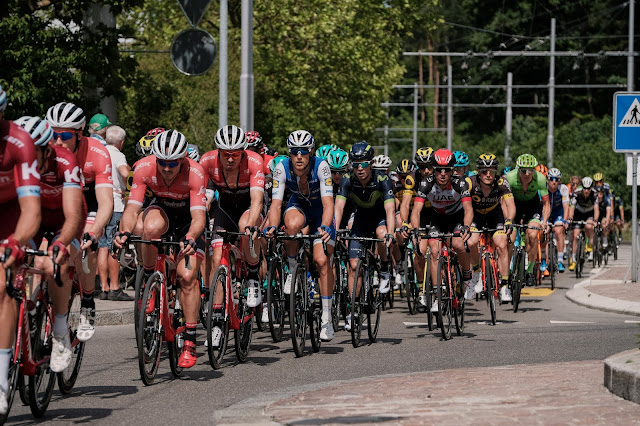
458 311
275 300
149 336
204 294
216 353
315 324
23 389
357 306
14 376
517 279
429 293
490 285
444 308
579 255
595 249
42 383
173 350
374 310
552 254
138 292
411 282
338 291
298 298
242 336
68 377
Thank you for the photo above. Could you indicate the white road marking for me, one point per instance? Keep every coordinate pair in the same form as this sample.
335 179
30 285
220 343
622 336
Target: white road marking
632 321
571 322
415 324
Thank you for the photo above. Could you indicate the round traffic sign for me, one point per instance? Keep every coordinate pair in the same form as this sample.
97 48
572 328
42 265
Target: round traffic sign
193 51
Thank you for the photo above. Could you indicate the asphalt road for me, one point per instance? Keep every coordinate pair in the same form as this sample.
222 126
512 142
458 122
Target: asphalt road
547 329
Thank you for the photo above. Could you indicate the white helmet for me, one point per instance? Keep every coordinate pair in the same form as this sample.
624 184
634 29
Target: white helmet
231 137
67 116
554 173
300 139
587 182
381 162
40 130
3 99
193 152
170 145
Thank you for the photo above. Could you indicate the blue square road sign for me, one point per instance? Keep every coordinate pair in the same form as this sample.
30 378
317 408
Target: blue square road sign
626 122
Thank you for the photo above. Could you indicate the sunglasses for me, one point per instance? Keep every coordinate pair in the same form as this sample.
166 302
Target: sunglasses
363 164
337 172
296 151
65 136
486 171
442 169
231 154
525 171
554 179
170 164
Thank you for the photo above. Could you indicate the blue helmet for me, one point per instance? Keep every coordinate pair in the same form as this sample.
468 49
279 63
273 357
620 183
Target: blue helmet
462 159
338 159
361 151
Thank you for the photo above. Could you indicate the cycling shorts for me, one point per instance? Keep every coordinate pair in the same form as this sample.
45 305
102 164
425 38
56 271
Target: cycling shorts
492 220
580 216
177 222
365 223
447 222
312 217
528 210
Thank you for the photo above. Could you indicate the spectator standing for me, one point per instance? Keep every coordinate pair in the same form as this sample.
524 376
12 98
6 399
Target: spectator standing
108 267
98 127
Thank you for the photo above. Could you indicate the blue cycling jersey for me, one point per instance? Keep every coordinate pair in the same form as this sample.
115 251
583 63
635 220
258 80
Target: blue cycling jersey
319 181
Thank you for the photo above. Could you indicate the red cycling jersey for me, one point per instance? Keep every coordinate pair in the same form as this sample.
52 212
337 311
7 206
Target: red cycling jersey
188 186
266 160
19 175
96 169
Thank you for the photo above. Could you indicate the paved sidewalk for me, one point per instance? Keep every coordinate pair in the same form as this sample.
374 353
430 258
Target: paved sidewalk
109 312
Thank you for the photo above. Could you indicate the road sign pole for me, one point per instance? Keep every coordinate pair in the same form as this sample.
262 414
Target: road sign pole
634 218
223 74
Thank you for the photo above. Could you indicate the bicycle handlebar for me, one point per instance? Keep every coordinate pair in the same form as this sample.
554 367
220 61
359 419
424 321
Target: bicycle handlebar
158 243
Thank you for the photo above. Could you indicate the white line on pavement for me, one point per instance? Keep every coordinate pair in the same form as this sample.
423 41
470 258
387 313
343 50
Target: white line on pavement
571 322
632 321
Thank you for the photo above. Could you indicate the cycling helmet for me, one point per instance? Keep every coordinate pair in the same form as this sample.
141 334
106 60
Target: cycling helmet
193 152
405 166
554 173
462 159
487 161
338 159
254 140
156 131
598 177
381 162
269 151
542 169
3 99
324 151
423 156
67 116
443 158
300 139
361 151
230 137
526 161
144 146
170 145
587 182
40 130
506 170
276 160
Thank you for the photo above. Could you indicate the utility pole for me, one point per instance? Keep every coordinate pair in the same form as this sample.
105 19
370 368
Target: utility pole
223 73
449 107
507 142
246 73
415 117
552 93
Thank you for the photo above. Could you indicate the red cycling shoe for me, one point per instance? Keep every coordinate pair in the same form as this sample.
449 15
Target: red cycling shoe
151 303
188 355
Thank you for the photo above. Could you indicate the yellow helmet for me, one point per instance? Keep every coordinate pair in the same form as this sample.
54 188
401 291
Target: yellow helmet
487 161
598 177
424 156
405 167
144 145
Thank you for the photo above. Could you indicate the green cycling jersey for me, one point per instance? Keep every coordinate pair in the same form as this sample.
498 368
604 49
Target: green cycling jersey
538 183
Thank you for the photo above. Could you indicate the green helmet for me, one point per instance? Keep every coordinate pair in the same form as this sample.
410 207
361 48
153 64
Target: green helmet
324 151
526 161
274 163
338 159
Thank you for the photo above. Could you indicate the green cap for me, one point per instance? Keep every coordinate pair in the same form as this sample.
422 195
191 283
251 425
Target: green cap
99 122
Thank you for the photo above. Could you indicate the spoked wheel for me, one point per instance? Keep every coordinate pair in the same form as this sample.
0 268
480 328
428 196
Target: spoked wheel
14 376
23 389
553 263
517 276
204 296
357 303
374 309
491 290
138 293
595 250
615 250
458 302
580 257
68 377
298 300
174 348
444 301
149 335
275 300
315 323
411 286
338 293
242 336
217 317
42 383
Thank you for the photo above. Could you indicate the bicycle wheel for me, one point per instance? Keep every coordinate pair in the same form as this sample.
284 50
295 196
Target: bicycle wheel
429 293
174 349
458 302
68 377
444 300
275 300
595 249
298 299
14 375
411 282
517 277
357 305
42 383
242 336
315 323
580 256
375 300
217 317
490 285
23 389
138 293
149 336
204 296
552 253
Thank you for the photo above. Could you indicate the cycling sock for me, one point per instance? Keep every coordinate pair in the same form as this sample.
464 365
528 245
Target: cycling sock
190 332
87 301
60 325
326 308
5 359
560 256
504 278
504 282
530 267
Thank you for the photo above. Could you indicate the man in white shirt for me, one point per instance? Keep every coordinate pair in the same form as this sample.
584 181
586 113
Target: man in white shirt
108 267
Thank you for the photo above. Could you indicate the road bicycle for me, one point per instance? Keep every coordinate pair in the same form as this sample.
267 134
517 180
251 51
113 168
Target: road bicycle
162 318
341 288
276 300
580 248
552 256
411 283
517 278
489 268
228 309
421 290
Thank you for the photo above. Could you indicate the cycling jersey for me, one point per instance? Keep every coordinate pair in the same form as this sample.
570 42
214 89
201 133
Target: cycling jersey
581 203
445 200
19 175
266 161
374 194
603 205
500 190
319 181
538 183
606 187
95 162
148 194
558 198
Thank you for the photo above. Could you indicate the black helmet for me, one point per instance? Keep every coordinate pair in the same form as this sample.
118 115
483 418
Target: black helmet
361 151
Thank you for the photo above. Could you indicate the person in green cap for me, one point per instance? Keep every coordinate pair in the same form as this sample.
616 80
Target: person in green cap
98 127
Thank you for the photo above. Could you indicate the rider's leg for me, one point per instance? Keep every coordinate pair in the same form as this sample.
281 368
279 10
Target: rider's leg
294 221
190 303
532 244
558 230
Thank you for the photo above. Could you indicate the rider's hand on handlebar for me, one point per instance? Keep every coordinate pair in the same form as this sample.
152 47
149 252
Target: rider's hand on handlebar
63 253
465 233
269 231
324 232
121 238
89 241
16 255
406 228
188 246
251 231
389 239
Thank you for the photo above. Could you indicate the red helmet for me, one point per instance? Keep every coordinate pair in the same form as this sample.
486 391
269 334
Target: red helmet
443 158
155 132
254 139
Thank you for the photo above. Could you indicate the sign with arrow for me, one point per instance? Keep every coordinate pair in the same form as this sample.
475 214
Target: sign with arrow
194 10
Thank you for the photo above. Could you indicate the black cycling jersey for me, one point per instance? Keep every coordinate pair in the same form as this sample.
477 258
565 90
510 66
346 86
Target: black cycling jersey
373 194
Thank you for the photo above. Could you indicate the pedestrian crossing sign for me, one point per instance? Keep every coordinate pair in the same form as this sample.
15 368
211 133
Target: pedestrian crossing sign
626 122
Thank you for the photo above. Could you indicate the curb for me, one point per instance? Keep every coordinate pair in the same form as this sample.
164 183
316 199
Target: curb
622 375
115 317
580 295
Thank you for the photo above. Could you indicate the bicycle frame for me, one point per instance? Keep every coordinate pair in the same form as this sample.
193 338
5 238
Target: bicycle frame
488 255
233 261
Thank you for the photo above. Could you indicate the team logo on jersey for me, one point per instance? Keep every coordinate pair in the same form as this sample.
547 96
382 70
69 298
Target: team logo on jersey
276 183
73 175
328 181
30 170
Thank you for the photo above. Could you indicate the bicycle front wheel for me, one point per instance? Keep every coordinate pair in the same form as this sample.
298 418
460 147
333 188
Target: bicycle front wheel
149 334
444 300
173 348
68 377
14 375
298 299
411 289
458 302
357 303
217 317
553 262
42 383
580 256
275 300
490 285
517 277
242 336
374 308
338 292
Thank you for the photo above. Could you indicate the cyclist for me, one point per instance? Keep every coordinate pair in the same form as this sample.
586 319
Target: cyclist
337 159
238 175
193 152
529 188
559 202
606 213
598 182
493 208
618 212
68 120
504 171
255 144
574 183
541 168
323 151
381 162
177 209
452 211
371 192
584 207
63 214
19 218
461 167
311 207
405 168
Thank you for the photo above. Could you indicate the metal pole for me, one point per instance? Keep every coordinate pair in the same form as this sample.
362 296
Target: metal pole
246 73
634 218
630 57
415 117
223 74
386 139
552 93
507 143
449 107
